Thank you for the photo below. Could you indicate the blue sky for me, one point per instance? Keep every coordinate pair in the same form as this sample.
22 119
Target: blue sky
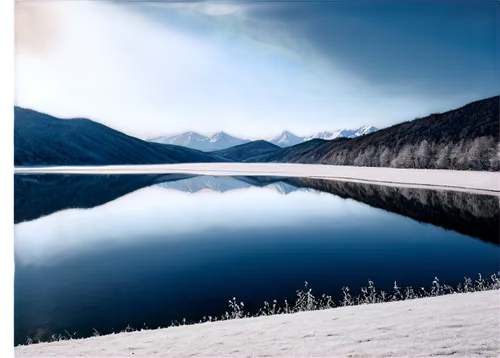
253 68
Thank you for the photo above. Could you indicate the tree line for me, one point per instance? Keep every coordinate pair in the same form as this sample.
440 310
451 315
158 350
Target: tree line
481 153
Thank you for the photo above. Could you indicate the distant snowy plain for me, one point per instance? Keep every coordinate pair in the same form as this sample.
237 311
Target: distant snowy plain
458 325
480 182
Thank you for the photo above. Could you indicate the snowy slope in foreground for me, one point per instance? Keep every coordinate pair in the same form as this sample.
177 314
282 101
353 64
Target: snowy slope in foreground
480 182
462 325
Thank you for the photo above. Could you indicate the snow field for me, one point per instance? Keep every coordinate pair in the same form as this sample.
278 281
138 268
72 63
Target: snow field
462 325
481 182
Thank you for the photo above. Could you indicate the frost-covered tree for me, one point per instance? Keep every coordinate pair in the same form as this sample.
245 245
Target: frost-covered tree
458 156
443 157
422 156
366 157
473 158
495 158
385 157
405 158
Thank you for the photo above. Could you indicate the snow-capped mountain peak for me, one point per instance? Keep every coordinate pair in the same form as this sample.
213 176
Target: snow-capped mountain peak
182 139
220 136
222 140
365 130
286 139
217 141
321 135
343 133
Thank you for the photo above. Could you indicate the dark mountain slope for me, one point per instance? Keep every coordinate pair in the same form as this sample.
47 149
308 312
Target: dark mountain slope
243 151
40 139
287 154
466 139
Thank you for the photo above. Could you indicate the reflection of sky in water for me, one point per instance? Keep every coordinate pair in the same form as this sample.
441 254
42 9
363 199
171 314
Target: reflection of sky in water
157 255
152 208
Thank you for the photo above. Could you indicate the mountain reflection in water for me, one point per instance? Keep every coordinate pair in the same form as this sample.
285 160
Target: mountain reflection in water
474 215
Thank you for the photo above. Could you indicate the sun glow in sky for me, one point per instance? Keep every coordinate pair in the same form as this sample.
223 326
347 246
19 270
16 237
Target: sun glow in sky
255 68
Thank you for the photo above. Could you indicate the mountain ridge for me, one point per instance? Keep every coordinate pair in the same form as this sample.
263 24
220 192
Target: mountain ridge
41 139
221 140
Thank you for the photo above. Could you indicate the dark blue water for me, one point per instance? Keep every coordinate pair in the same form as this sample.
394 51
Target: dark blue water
159 254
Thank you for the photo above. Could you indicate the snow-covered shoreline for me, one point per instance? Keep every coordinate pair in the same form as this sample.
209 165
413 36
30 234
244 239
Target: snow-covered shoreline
463 325
480 182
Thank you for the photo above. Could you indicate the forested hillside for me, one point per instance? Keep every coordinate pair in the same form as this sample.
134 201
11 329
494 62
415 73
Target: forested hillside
464 139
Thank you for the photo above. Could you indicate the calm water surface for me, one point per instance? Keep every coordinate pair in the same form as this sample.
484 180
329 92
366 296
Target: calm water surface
105 252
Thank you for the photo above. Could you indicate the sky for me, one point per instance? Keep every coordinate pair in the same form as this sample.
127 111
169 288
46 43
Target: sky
253 68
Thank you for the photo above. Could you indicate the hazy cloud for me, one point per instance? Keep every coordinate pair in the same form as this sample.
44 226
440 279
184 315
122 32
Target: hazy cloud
253 68
37 26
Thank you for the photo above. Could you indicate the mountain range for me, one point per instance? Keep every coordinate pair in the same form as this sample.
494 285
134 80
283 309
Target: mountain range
466 138
222 140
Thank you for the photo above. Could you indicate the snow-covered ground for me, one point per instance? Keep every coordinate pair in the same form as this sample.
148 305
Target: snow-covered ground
462 325
470 181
